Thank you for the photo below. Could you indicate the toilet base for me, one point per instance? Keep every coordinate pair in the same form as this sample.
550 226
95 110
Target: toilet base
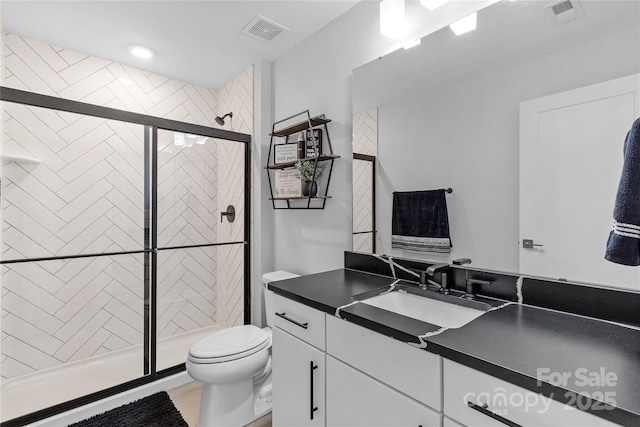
233 405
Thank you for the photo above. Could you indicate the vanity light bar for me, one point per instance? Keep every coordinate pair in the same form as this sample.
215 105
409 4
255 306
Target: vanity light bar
412 44
464 25
433 4
392 18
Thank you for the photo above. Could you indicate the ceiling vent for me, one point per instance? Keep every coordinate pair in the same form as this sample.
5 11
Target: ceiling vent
564 11
263 29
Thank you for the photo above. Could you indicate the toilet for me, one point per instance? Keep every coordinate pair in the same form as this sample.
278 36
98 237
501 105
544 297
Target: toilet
234 367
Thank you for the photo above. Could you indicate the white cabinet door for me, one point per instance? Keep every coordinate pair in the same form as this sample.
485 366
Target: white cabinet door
298 382
355 399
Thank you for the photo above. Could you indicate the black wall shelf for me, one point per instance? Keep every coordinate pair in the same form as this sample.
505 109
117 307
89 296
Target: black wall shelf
283 129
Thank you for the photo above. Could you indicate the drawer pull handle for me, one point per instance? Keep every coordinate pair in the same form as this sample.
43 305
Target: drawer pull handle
312 408
304 325
484 410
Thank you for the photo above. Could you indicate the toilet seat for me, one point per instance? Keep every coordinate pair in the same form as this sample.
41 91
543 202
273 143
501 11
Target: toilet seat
229 344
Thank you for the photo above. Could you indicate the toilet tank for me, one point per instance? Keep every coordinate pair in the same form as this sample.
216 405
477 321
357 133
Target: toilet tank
267 278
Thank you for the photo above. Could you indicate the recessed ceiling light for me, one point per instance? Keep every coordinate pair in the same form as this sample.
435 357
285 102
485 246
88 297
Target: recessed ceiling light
464 25
141 51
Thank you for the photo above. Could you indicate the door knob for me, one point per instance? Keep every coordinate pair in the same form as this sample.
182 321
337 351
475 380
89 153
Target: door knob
528 244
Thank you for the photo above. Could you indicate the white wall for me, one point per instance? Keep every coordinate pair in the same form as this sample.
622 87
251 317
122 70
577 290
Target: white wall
465 136
262 236
316 75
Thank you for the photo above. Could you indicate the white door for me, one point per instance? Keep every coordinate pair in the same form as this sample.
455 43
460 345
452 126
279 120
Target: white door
570 164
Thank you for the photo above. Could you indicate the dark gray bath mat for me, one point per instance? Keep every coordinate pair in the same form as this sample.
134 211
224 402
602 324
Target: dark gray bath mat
156 410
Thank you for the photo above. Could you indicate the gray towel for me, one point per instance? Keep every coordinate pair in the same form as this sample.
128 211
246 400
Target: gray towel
420 221
623 246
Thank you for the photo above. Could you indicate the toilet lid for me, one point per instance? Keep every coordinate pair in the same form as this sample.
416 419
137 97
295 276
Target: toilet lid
228 344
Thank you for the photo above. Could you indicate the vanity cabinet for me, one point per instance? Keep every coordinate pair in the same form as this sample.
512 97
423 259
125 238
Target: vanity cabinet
467 390
328 371
298 363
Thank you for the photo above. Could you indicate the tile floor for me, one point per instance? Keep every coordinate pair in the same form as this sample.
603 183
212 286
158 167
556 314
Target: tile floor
187 400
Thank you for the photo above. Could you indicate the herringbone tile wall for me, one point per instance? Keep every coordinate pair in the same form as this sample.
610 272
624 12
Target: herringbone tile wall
365 141
39 67
365 132
86 196
237 97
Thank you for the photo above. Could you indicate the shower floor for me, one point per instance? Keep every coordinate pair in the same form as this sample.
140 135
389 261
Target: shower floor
32 392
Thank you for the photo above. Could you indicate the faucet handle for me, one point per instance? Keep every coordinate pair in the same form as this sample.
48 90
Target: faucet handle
471 291
423 278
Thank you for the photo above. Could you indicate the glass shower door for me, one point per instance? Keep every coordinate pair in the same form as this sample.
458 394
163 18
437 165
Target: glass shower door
115 255
200 282
73 266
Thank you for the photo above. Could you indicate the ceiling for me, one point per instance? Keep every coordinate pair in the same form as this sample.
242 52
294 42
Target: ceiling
508 33
195 41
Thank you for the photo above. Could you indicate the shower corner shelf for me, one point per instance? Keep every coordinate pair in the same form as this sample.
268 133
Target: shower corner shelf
285 131
19 159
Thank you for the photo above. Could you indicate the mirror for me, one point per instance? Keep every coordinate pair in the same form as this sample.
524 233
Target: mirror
448 114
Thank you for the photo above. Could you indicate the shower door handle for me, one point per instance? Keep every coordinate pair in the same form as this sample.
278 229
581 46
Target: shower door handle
312 408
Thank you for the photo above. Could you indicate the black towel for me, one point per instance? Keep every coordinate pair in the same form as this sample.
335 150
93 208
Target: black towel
623 246
420 221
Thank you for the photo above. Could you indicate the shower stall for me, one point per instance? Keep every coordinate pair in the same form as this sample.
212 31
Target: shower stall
117 249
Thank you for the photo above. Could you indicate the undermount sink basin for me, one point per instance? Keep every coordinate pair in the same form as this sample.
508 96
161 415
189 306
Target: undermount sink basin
434 311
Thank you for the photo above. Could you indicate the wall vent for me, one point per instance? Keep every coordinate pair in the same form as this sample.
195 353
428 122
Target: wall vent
263 29
564 11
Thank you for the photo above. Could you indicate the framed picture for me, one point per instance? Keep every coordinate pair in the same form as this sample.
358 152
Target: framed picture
313 145
284 153
287 184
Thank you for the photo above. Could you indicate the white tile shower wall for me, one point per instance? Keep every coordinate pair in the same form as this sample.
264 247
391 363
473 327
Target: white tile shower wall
56 312
365 141
235 96
365 132
39 67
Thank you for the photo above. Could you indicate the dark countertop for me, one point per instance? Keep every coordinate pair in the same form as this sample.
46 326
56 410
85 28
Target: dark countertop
516 343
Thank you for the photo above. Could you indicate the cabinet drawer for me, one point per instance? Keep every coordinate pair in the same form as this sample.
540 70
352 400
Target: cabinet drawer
516 404
408 369
300 321
355 399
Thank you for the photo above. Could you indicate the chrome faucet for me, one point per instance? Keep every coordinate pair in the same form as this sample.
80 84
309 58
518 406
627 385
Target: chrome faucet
430 272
